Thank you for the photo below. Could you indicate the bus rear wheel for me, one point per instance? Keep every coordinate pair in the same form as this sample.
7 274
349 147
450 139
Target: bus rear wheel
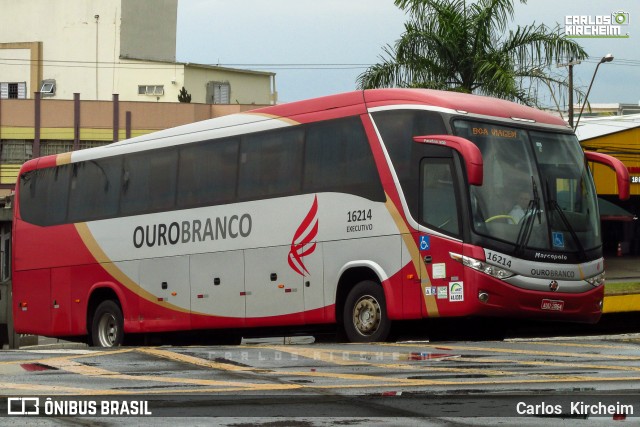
365 313
107 328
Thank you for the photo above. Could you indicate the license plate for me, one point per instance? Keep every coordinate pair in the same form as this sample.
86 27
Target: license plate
553 305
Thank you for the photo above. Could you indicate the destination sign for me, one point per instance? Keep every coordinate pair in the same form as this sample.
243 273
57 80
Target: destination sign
495 132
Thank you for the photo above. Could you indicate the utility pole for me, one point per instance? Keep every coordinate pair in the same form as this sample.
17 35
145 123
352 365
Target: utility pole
570 64
97 18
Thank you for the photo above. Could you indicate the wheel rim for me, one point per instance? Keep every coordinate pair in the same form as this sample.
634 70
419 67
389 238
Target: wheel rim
108 330
367 315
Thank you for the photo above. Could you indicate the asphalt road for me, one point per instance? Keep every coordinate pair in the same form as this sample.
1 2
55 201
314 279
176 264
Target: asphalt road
281 382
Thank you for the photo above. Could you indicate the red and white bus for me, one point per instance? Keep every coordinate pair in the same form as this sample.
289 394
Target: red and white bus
355 209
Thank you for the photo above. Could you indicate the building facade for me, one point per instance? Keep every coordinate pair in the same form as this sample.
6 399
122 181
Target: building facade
98 48
62 61
618 136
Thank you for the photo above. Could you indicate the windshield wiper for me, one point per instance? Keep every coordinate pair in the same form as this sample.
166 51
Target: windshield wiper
526 228
553 204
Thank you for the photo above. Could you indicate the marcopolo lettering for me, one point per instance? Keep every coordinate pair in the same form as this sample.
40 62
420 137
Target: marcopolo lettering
219 228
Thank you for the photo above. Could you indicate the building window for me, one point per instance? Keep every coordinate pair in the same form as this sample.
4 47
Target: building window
92 144
13 91
10 90
151 90
218 93
53 146
48 87
16 151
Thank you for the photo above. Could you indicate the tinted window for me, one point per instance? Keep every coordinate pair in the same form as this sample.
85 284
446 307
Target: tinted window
149 182
95 189
208 173
338 158
398 127
439 205
43 195
271 164
334 155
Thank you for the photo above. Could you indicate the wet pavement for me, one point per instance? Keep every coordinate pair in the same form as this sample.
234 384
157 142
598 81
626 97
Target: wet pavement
273 383
624 268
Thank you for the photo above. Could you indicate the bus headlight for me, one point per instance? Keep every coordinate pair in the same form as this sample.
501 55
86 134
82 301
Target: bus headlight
489 269
596 280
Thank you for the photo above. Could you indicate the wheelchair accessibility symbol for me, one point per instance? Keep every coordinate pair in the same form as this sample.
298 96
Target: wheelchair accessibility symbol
425 244
558 239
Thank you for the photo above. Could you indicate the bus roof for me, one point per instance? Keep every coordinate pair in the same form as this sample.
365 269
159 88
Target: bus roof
474 104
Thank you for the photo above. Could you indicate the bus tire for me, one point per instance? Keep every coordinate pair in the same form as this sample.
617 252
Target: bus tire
107 326
365 313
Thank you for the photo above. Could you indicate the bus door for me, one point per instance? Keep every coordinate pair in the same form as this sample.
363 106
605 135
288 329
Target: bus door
274 292
441 233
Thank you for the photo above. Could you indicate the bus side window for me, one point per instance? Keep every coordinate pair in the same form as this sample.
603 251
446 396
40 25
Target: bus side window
271 164
45 198
439 202
207 173
95 188
28 203
338 158
151 182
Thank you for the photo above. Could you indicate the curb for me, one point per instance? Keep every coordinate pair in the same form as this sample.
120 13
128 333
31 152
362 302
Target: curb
621 303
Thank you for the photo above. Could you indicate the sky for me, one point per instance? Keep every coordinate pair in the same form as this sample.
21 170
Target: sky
319 47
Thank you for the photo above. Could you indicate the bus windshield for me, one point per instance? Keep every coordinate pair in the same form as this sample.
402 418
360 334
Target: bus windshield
536 193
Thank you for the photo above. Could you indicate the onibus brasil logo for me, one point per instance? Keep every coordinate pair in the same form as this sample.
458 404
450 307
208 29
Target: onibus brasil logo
615 25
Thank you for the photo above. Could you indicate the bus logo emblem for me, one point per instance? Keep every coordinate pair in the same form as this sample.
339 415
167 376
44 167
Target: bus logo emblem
301 244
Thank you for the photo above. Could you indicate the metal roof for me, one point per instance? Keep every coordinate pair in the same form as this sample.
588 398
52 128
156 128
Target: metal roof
594 127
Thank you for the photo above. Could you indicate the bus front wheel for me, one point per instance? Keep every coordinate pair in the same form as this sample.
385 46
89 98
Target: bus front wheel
365 313
107 328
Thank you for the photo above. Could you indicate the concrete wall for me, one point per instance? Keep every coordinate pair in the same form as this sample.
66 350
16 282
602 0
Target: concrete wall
149 29
246 87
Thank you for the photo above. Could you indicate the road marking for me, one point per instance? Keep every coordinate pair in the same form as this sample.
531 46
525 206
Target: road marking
47 389
525 352
59 351
549 363
570 344
71 356
93 371
328 357
390 362
191 360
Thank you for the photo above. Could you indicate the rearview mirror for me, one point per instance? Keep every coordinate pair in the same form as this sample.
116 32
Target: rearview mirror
622 173
467 149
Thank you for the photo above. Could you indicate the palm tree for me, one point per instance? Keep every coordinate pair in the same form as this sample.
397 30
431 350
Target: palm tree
452 45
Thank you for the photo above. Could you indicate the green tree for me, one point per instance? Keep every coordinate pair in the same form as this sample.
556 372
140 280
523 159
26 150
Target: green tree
184 96
466 46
